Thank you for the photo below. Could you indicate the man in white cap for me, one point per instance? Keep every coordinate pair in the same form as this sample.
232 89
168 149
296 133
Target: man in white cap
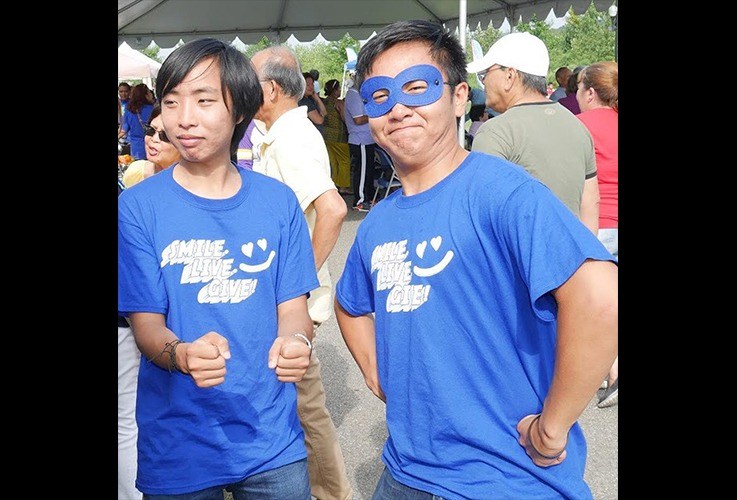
542 136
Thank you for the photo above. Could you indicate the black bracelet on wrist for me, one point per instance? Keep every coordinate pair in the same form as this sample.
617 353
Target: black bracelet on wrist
170 348
173 356
532 445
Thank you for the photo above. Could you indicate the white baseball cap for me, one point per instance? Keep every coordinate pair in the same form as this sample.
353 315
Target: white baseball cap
522 51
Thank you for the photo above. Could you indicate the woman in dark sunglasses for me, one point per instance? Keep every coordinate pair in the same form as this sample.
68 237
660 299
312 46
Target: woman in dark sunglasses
160 153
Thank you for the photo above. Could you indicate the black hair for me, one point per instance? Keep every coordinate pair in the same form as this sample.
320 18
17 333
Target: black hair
476 111
237 77
154 112
445 49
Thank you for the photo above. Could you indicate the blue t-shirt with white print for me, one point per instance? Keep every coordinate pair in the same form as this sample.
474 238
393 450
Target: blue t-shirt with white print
218 265
460 283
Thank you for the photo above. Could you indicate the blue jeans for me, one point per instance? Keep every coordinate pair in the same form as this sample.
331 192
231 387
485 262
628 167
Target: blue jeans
389 488
289 482
610 239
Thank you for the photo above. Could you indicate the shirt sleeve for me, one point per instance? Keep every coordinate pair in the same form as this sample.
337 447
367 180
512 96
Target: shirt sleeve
489 139
140 282
354 104
297 273
548 243
305 168
354 290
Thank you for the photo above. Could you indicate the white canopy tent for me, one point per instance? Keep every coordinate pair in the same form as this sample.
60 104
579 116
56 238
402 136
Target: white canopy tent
168 21
132 64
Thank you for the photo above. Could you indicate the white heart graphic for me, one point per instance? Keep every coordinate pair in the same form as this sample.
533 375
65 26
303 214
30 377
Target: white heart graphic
262 243
247 249
435 242
421 249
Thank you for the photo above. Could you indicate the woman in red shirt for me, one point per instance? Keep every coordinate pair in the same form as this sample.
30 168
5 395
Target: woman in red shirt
598 98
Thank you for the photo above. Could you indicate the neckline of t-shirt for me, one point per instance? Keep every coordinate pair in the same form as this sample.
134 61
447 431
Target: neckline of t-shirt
415 200
210 203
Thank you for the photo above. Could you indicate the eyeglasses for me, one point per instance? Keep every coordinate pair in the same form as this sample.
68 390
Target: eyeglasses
482 74
150 131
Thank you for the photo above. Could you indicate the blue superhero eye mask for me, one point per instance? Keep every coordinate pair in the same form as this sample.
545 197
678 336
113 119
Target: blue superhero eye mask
417 85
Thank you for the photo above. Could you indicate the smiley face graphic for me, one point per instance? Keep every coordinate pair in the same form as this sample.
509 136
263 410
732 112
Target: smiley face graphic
247 250
425 272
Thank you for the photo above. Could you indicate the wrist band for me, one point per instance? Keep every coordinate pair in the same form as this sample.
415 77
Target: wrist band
532 445
173 357
305 339
170 348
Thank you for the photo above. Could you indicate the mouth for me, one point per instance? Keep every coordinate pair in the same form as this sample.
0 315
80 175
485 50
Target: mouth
400 129
189 141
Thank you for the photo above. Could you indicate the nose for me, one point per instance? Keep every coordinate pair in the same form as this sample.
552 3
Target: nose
187 114
399 111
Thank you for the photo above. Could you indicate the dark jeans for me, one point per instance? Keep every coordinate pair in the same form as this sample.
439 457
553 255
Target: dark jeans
289 482
362 173
389 488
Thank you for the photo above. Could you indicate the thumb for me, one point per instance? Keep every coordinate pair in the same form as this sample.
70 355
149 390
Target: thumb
224 348
522 427
274 352
220 342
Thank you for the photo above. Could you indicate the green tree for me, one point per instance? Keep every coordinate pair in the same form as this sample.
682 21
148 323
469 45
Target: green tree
326 57
588 38
253 48
152 51
485 36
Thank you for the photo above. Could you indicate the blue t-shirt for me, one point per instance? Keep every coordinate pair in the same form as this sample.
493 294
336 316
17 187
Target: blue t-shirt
466 327
218 265
135 131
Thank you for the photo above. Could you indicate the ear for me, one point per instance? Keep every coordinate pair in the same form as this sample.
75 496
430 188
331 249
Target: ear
510 77
591 95
460 96
274 90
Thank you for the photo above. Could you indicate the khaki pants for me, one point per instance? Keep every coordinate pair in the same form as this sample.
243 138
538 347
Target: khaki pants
325 462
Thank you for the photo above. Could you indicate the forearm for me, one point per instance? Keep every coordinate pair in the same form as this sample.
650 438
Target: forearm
152 337
320 105
359 335
294 318
586 346
589 211
315 117
330 212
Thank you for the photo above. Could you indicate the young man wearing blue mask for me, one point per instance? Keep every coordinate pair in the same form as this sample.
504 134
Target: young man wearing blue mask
476 305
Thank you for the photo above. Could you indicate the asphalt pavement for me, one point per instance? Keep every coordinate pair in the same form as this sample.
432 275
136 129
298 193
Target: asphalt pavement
360 419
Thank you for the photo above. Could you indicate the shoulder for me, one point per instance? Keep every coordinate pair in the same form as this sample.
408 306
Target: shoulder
135 173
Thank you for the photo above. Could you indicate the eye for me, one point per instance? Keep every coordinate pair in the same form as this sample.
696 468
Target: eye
380 96
415 87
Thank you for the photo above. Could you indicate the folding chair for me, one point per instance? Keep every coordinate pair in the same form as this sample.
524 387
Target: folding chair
383 159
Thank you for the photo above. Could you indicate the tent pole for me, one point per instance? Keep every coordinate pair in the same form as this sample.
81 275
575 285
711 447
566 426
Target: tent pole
462 32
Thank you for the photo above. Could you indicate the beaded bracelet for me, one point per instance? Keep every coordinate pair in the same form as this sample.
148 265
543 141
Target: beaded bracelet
532 445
